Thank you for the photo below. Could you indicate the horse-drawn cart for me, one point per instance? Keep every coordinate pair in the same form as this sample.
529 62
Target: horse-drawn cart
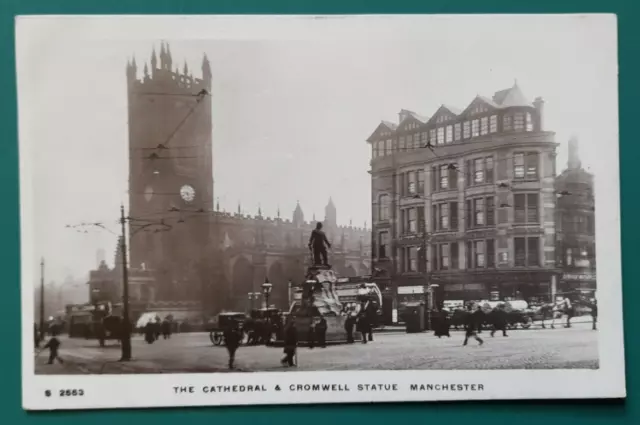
217 326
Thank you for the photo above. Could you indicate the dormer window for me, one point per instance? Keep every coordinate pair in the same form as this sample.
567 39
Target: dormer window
529 122
424 138
518 121
484 125
493 124
440 135
466 129
432 136
449 134
389 146
457 133
475 128
507 123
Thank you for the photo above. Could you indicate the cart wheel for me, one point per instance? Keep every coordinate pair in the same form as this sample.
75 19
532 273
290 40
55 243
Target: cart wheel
216 338
526 323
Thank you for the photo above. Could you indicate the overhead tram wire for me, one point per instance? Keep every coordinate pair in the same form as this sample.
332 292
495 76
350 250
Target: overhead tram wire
202 212
164 145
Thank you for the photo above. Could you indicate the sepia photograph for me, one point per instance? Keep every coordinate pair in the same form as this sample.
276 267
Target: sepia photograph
318 209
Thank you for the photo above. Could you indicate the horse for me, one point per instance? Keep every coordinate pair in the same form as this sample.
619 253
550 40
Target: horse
556 311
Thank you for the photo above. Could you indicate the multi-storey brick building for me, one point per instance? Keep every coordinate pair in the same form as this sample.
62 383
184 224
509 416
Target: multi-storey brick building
576 244
464 203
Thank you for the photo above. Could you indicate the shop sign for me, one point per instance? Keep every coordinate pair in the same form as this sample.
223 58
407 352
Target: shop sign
578 276
406 290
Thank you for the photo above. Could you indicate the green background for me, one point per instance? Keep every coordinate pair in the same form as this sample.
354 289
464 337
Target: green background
522 413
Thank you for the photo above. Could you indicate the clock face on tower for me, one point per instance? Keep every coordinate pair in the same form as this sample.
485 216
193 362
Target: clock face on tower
187 193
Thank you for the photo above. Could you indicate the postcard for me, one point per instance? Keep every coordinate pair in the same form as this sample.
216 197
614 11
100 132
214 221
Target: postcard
237 210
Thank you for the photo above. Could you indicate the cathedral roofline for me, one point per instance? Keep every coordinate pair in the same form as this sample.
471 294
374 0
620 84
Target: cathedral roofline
244 218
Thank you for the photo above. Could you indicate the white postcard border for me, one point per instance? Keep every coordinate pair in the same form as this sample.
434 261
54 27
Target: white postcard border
130 391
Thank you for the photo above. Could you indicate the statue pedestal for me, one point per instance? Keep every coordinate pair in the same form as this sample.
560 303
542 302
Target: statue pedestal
319 299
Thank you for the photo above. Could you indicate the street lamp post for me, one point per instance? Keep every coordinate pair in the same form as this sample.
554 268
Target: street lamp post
430 302
266 290
41 299
126 325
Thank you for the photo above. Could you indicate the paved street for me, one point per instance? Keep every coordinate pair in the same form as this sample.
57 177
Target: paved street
185 353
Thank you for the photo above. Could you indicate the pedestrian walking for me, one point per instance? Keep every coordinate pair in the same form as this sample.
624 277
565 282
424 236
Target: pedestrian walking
479 318
312 333
166 329
53 345
36 336
441 327
349 324
232 337
321 332
290 343
498 317
471 327
594 315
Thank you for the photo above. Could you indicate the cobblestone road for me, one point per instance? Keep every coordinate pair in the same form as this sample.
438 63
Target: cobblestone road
184 353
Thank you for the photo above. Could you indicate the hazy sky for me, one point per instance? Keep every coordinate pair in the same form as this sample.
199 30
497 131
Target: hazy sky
293 102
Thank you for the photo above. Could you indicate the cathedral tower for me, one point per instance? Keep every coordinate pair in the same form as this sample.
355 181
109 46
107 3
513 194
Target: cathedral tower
170 169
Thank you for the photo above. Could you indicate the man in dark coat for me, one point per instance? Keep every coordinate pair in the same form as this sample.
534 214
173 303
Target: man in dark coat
312 333
53 345
370 313
349 324
594 314
321 332
166 329
479 317
499 320
319 243
471 326
290 342
364 327
232 337
441 324
36 336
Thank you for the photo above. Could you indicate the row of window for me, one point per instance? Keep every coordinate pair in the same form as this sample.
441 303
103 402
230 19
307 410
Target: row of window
443 135
480 212
412 220
478 171
577 223
582 257
411 183
480 254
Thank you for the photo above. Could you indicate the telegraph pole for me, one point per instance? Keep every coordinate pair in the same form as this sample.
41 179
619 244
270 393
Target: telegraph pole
42 299
126 333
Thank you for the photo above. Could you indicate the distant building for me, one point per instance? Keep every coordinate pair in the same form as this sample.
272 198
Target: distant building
100 257
463 203
103 285
576 243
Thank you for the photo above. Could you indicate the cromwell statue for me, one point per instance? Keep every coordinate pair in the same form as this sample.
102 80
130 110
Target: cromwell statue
319 243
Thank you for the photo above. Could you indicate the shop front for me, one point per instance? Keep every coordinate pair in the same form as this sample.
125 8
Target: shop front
503 285
582 283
